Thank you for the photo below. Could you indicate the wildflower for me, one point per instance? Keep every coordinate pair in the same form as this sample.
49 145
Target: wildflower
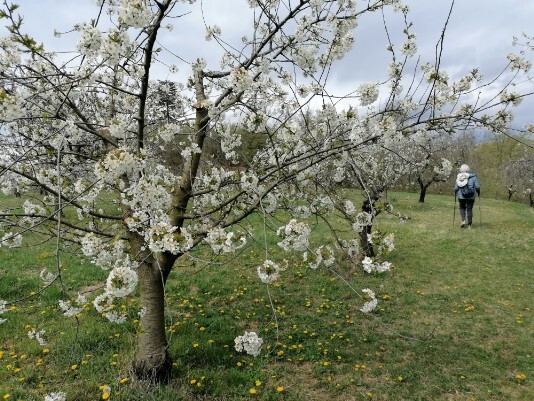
106 391
280 389
252 391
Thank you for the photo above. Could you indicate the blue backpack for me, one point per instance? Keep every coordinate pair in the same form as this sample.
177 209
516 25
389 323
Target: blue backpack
467 191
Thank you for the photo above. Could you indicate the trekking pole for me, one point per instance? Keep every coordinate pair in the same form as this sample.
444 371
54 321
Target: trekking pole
479 211
454 210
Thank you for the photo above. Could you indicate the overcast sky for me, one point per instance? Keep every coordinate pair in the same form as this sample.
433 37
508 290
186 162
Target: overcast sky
479 34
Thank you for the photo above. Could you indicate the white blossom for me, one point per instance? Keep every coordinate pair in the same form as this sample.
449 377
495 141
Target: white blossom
224 242
59 396
3 309
294 236
370 305
11 240
268 272
368 93
90 41
122 280
249 343
73 307
134 13
47 277
38 336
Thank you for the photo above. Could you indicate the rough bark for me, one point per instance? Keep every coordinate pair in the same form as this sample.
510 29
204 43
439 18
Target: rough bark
152 360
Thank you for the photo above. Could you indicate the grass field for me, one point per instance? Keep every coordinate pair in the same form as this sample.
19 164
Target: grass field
454 321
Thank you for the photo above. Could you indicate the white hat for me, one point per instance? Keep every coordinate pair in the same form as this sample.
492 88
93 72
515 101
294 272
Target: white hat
464 168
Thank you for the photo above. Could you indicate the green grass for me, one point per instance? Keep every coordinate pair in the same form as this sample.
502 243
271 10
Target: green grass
455 321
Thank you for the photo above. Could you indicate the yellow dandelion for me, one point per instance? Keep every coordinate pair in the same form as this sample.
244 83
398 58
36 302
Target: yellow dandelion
74 367
252 391
400 378
258 383
6 396
280 389
195 345
193 381
123 380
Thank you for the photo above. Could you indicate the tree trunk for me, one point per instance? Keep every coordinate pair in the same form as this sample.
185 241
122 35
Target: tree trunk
423 189
367 248
152 360
422 195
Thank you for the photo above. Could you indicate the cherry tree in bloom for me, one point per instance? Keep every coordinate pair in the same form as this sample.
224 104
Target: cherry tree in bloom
96 135
429 167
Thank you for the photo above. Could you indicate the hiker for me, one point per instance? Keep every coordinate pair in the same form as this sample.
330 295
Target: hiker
466 188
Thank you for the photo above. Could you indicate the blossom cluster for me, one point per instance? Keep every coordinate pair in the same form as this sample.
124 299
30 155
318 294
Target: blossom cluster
294 236
134 13
322 255
368 93
3 309
444 169
268 272
73 307
249 343
370 305
370 266
11 240
363 219
122 280
58 396
224 242
38 336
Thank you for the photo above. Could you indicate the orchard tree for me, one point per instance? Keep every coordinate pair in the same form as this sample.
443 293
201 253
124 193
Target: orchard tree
430 167
376 169
519 175
94 133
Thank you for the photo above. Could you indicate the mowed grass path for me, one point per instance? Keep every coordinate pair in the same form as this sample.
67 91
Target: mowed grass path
455 321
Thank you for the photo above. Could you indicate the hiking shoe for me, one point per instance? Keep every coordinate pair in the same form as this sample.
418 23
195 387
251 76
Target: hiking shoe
462 225
469 226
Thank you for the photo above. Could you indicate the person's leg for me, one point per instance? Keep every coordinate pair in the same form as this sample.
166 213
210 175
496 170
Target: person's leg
469 207
462 203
